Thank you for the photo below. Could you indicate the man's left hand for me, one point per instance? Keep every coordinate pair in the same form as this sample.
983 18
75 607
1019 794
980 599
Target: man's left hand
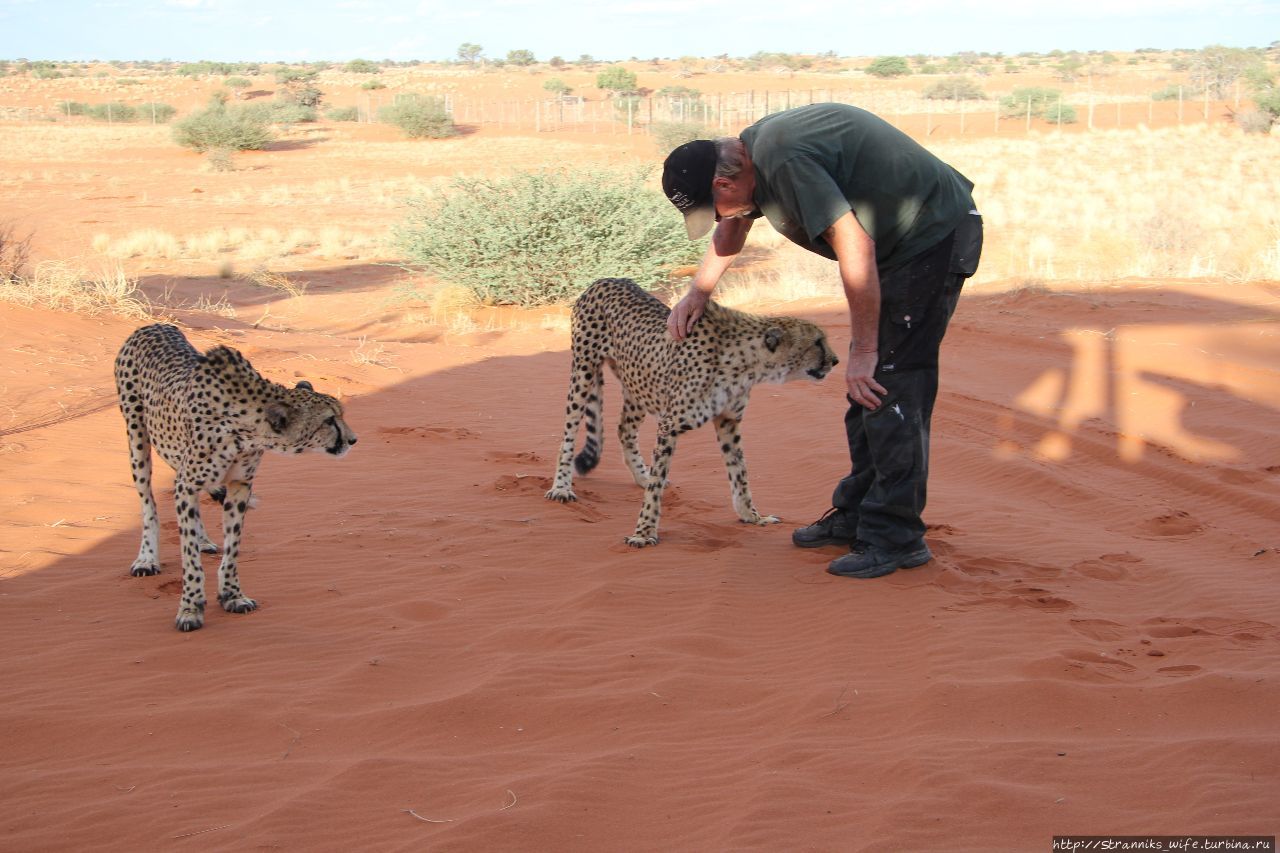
859 376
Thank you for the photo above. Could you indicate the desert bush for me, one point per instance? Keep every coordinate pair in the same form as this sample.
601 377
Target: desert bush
541 237
1173 92
362 66
114 111
419 117
1254 121
370 85
156 112
954 89
1042 103
343 114
220 126
15 251
889 66
668 134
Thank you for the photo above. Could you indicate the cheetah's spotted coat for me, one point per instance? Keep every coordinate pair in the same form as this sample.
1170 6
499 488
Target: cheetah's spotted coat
706 377
211 417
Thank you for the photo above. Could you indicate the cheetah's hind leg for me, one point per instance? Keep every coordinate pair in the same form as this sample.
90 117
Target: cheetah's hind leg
585 384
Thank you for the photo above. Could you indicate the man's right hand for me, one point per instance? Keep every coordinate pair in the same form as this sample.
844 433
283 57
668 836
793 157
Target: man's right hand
686 313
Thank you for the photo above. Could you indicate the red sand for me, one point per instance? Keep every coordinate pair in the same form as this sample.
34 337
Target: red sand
445 660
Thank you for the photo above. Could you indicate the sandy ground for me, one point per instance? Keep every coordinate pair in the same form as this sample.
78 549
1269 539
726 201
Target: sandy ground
445 660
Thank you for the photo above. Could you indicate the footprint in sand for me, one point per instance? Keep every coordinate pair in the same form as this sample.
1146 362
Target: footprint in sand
437 433
1108 567
1170 525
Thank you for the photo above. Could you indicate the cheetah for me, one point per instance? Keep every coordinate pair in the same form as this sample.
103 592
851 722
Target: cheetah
211 417
706 377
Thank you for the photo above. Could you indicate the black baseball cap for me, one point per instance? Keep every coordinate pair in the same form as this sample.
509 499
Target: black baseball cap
686 179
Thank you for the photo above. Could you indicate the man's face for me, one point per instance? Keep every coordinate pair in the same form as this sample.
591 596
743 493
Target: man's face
732 196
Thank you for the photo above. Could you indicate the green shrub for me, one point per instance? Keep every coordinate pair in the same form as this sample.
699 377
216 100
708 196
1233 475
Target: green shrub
157 112
889 66
343 114
370 85
954 89
615 78
542 237
114 111
419 117
362 66
1043 103
1173 92
219 126
668 134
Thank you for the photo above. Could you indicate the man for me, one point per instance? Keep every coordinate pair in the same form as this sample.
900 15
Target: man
902 226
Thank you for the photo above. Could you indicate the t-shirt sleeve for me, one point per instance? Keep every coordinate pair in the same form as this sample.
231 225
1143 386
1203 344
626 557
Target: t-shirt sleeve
806 190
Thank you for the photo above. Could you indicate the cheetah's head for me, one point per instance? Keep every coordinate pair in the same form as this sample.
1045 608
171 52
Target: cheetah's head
304 419
799 348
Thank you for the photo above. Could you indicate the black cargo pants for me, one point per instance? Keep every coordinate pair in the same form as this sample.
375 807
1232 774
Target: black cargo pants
884 494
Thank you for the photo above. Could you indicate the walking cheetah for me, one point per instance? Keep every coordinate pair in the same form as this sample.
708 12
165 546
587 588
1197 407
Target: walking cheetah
706 377
211 417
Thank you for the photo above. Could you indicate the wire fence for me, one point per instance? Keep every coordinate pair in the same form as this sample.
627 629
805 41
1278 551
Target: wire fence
727 113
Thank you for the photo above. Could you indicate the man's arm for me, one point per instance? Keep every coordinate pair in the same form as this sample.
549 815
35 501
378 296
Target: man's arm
726 244
856 254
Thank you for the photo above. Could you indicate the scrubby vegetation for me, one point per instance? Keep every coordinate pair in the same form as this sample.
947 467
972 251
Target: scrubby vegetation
230 128
541 237
419 117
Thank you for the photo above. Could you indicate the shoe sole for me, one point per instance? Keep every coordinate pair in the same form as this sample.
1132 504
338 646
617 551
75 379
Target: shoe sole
911 562
822 543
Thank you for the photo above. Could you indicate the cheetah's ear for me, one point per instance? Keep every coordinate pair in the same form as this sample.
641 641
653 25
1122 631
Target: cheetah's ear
279 416
304 385
773 338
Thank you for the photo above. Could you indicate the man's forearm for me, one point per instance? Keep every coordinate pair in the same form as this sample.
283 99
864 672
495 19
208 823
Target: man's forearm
726 244
856 255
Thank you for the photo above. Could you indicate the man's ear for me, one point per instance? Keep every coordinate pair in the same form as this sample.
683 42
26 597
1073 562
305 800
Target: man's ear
279 416
773 338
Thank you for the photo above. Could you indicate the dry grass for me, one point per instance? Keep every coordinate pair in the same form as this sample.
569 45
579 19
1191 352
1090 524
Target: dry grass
64 287
264 277
1186 202
251 244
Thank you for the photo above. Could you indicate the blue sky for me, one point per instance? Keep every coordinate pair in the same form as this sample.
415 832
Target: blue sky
297 30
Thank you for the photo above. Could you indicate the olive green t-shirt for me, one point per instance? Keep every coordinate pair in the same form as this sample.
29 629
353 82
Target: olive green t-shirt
814 164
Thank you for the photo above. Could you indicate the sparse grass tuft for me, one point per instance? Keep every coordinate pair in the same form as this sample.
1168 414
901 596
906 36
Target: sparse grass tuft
64 287
264 277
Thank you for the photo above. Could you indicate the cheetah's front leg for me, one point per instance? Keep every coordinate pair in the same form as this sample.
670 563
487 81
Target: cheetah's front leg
647 524
191 609
234 505
735 463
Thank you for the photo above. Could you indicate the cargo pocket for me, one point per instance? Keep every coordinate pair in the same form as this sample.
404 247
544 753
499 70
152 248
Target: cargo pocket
967 248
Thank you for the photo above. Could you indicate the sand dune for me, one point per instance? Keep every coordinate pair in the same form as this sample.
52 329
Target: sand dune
445 660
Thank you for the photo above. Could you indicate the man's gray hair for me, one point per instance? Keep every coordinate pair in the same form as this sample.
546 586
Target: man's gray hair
731 156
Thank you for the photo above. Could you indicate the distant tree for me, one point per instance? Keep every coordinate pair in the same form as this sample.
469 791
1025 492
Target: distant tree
520 57
469 53
1266 97
586 60
362 66
616 80
556 62
889 66
1216 67
295 76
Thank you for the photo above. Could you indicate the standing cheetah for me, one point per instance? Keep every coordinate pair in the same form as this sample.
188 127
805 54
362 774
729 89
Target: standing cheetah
211 417
706 377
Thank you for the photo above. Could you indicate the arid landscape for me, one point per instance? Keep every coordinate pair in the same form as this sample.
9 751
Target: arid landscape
444 660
